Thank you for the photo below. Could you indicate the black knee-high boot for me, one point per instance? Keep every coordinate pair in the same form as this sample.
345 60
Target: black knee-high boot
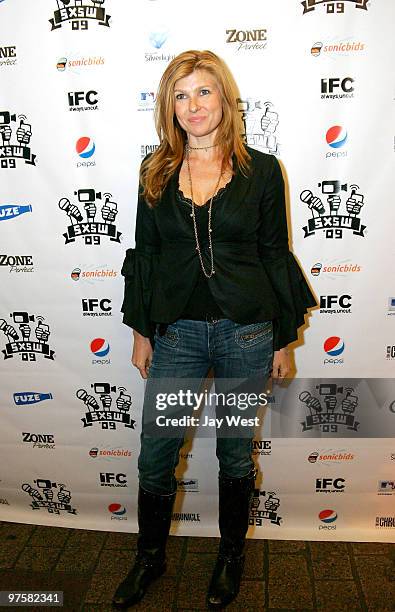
235 496
154 518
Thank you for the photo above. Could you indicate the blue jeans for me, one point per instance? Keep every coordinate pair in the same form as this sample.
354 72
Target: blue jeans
189 349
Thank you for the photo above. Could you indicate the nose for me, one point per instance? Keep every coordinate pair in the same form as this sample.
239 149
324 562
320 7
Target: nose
193 104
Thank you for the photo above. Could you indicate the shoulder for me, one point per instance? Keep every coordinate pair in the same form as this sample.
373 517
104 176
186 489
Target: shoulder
263 164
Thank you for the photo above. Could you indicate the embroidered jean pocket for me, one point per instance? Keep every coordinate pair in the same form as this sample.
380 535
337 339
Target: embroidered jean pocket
170 337
250 335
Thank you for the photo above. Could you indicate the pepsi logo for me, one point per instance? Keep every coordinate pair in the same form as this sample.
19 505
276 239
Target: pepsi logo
334 346
328 516
100 347
85 147
336 136
117 509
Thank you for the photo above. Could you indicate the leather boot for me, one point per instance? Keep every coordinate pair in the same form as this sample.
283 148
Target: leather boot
235 496
154 518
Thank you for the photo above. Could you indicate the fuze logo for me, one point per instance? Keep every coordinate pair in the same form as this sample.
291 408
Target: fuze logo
79 16
10 211
336 136
23 398
85 147
334 346
331 6
100 347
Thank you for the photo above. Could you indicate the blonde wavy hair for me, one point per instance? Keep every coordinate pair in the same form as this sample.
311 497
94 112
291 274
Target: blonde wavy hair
157 170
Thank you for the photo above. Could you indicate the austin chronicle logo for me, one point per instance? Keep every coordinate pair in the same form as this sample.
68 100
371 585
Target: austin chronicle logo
333 7
333 407
264 510
79 14
109 407
327 218
260 124
20 135
19 337
46 494
90 229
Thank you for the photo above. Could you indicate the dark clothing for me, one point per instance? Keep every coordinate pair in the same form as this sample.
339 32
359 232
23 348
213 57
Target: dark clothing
201 302
256 276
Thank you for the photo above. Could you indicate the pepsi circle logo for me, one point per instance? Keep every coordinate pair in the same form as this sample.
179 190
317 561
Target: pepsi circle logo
100 347
85 147
117 509
336 136
334 346
327 516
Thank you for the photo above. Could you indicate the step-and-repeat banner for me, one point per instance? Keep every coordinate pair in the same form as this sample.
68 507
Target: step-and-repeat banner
78 85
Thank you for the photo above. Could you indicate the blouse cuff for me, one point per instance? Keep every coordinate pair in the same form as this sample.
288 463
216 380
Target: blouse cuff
293 295
137 269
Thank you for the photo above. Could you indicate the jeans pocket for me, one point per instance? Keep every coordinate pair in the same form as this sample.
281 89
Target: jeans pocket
170 338
253 333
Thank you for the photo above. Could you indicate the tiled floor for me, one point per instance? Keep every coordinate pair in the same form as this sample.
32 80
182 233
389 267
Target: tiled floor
279 575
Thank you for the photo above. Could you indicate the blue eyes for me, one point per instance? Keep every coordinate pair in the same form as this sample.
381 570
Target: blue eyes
181 96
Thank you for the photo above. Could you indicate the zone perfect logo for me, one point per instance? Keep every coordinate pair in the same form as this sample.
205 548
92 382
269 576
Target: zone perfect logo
43 494
247 40
260 122
17 263
79 16
8 56
335 88
328 218
83 101
327 517
94 307
24 398
40 440
10 153
261 447
328 304
332 407
105 412
10 211
331 6
20 342
90 229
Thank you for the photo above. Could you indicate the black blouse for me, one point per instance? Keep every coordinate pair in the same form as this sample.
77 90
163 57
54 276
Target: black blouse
256 276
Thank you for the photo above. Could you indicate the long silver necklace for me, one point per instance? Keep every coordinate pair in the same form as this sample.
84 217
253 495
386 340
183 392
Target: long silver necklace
212 271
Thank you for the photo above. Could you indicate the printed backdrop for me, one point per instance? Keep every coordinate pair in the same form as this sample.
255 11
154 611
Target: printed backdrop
78 84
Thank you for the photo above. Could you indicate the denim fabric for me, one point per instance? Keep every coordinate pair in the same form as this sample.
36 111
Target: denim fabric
189 349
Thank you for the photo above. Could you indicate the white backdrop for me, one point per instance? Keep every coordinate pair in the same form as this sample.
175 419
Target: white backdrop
78 82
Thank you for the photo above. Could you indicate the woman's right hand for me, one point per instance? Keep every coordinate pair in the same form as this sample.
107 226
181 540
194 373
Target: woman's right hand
142 353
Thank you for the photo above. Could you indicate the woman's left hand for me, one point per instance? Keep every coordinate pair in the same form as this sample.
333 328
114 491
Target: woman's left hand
281 364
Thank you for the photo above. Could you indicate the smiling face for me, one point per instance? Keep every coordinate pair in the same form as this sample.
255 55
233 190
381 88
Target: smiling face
198 106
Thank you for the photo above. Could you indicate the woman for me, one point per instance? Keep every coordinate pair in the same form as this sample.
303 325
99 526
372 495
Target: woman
211 283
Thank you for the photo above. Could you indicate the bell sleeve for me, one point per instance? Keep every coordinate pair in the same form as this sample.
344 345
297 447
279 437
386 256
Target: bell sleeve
291 290
137 270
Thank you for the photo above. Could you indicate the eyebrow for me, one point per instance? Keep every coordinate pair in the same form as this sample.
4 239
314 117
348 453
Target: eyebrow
200 87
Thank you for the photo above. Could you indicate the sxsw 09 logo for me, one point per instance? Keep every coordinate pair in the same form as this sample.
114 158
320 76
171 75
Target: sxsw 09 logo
333 7
79 15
